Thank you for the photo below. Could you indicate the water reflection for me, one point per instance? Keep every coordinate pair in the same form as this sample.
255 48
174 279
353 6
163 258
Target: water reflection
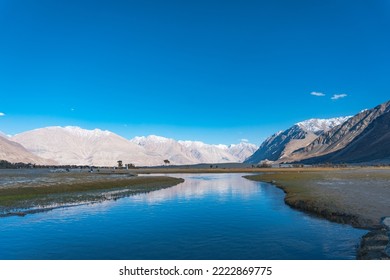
197 187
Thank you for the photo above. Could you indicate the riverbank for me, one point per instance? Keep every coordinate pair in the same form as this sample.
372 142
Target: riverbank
358 197
30 193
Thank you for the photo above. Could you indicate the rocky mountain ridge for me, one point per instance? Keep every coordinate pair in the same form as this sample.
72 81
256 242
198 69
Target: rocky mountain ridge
362 138
281 145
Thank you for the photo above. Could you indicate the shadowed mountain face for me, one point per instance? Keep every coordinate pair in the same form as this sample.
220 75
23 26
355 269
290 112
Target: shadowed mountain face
341 136
361 138
371 145
280 146
273 148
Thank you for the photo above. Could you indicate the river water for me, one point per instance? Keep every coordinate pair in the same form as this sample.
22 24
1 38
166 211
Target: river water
209 216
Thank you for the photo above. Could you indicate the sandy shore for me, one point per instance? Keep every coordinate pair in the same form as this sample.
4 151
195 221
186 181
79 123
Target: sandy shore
359 197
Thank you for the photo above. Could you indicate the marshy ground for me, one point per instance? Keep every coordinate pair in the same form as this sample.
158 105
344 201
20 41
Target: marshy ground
29 191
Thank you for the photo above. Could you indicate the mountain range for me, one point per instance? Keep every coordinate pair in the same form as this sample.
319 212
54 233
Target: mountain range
363 138
76 146
280 146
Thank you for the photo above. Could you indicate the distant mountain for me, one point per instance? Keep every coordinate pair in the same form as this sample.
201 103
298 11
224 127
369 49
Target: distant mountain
363 138
281 145
14 152
77 146
2 134
242 151
193 152
167 149
73 145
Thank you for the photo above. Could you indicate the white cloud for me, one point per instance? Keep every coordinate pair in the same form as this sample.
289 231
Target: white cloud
338 96
314 93
2 114
245 140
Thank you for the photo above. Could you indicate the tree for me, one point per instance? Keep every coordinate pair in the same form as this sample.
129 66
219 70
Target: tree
130 165
166 161
120 164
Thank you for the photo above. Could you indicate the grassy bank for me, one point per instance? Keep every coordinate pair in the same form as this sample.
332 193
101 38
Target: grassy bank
19 198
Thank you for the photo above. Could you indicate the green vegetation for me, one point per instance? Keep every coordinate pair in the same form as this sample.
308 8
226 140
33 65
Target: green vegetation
100 188
8 165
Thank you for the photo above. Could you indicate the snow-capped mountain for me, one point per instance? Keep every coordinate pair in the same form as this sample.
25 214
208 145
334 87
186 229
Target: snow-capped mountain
76 146
73 145
280 146
321 125
206 153
192 152
243 150
166 148
362 138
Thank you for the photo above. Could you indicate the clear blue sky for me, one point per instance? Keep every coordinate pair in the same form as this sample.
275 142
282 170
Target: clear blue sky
216 71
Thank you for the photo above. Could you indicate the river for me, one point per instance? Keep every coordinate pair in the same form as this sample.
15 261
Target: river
209 216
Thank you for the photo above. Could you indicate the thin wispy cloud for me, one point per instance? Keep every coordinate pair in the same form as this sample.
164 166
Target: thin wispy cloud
245 140
338 96
314 93
2 114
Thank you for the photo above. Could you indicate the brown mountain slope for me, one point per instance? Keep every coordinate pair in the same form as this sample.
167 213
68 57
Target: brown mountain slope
341 136
372 145
14 152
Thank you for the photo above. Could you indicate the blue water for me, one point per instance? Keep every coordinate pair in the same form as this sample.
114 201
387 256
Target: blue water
220 216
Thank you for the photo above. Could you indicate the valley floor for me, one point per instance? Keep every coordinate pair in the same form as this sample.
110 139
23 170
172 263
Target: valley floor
29 191
356 196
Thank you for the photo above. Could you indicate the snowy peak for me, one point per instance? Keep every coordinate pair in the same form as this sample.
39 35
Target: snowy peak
145 140
282 144
321 125
360 138
188 144
186 152
72 131
75 130
76 146
243 150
